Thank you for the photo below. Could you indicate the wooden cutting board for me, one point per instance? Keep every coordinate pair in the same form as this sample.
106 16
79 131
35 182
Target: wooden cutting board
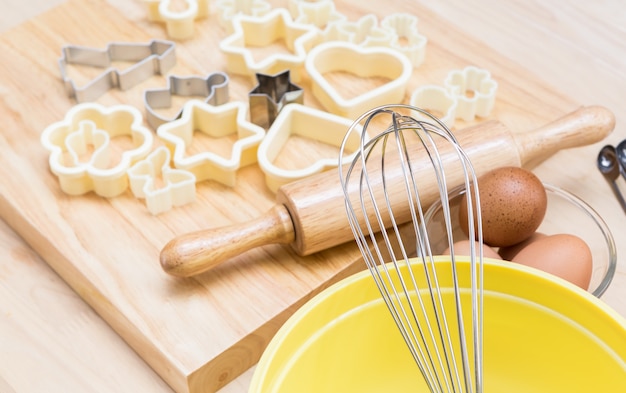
202 332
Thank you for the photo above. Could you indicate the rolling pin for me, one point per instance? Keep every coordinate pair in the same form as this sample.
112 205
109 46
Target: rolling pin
310 214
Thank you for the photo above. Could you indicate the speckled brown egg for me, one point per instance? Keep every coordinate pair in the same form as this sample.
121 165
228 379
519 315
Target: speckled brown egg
513 203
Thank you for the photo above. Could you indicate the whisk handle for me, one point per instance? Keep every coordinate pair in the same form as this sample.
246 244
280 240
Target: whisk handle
584 126
199 251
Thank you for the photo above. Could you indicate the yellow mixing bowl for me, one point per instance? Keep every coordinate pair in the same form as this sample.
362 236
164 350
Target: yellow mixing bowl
541 334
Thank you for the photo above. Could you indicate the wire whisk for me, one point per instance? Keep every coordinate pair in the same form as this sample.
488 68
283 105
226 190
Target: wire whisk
407 159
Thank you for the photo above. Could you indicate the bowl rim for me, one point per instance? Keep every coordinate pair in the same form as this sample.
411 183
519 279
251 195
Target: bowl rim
578 202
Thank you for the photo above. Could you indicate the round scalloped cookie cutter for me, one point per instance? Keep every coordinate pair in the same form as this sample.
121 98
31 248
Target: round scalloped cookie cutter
179 23
309 123
178 186
92 125
404 26
363 62
482 87
436 99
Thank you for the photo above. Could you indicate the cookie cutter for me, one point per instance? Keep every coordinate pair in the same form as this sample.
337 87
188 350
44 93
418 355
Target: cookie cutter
404 28
481 87
310 123
363 62
364 32
228 9
214 87
217 122
179 21
92 125
322 15
178 186
154 57
270 95
250 31
438 100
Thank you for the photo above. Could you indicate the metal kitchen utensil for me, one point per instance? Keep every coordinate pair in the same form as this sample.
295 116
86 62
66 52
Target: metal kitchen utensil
448 355
620 150
609 166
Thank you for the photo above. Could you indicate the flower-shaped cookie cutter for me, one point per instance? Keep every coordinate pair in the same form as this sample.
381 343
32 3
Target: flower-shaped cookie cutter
309 123
159 184
214 87
228 9
475 91
179 21
437 100
270 95
404 28
361 61
218 122
90 125
154 57
250 32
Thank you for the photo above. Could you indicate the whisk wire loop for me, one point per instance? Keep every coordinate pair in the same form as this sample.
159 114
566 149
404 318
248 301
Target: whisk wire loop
389 227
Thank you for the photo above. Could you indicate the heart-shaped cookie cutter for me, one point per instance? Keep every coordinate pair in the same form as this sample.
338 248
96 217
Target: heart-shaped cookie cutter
361 61
250 32
154 57
178 186
307 122
91 125
179 23
214 87
216 121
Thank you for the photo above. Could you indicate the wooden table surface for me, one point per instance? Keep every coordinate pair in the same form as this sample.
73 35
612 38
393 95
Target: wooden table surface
52 341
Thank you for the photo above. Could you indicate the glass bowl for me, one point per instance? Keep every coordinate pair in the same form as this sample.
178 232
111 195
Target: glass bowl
565 213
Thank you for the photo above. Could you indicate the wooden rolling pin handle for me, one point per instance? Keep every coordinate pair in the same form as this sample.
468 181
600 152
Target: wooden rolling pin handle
200 251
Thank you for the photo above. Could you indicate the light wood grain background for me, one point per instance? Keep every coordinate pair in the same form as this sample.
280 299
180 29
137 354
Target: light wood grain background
52 341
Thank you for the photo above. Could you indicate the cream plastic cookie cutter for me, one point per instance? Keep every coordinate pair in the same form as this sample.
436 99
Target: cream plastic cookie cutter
179 21
163 187
228 9
262 31
217 122
213 87
323 15
363 62
482 90
152 58
404 27
438 100
363 32
306 122
90 125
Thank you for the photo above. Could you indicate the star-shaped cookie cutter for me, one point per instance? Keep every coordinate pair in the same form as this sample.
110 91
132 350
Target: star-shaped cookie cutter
154 57
90 125
259 32
179 23
216 121
321 14
270 95
481 88
214 87
306 122
178 186
228 9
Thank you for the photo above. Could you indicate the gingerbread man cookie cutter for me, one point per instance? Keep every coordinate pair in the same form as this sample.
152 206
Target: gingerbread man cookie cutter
152 58
214 87
217 122
163 187
92 126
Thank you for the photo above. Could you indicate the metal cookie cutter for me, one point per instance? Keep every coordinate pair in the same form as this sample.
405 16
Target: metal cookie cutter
262 31
92 125
306 122
271 94
228 9
154 57
363 62
404 25
178 186
214 87
178 22
481 88
217 122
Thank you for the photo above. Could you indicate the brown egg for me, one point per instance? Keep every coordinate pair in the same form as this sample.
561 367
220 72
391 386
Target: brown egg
508 253
513 203
462 247
563 255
